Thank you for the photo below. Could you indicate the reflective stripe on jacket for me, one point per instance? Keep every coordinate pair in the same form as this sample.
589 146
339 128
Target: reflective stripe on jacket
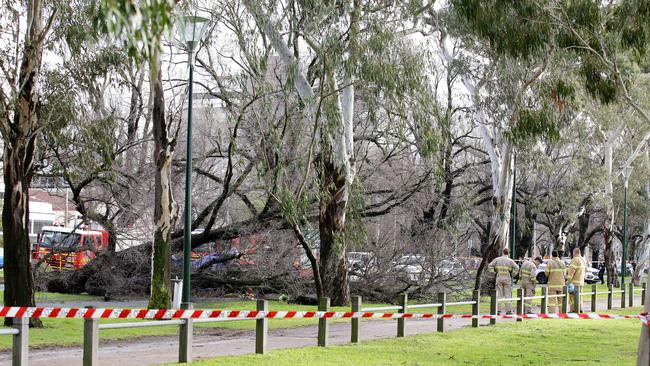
555 272
527 272
503 266
577 270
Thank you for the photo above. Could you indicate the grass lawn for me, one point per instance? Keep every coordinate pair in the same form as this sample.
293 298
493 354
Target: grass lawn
534 342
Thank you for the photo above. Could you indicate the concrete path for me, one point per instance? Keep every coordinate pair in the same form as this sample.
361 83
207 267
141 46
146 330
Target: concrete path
158 350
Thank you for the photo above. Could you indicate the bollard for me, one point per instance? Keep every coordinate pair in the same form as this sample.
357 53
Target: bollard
643 294
493 306
610 297
19 354
442 299
261 328
520 302
623 297
631 299
594 299
356 307
544 308
476 307
177 294
323 326
401 322
565 299
185 333
91 341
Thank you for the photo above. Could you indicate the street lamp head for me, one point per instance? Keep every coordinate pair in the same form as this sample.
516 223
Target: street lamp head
627 172
190 28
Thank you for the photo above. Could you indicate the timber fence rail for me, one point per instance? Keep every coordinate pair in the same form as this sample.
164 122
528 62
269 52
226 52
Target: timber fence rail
186 318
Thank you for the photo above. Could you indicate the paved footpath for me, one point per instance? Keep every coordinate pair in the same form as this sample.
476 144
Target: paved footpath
229 342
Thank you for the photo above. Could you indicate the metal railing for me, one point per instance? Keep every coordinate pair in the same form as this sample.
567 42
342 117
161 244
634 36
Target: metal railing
92 327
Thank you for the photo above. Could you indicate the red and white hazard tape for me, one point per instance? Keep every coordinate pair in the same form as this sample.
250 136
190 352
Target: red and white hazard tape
94 313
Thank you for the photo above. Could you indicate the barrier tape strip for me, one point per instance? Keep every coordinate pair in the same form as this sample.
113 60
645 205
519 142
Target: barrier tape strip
110 313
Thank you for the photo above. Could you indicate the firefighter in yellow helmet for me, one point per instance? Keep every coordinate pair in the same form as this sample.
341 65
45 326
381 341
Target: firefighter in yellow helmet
528 281
576 276
556 273
504 267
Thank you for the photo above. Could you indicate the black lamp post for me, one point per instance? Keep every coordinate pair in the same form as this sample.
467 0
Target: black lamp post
190 30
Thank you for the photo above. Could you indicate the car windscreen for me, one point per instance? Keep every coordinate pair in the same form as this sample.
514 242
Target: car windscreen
60 241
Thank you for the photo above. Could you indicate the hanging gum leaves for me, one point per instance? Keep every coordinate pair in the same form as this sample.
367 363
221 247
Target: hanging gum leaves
507 24
534 123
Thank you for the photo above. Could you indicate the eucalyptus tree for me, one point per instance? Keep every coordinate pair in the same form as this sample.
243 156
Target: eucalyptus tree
143 25
343 45
21 56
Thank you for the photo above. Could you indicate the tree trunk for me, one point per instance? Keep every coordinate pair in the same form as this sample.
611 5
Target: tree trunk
610 261
331 225
500 224
160 297
20 134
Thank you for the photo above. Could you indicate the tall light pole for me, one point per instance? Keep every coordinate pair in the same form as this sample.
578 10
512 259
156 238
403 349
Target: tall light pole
513 219
190 29
627 171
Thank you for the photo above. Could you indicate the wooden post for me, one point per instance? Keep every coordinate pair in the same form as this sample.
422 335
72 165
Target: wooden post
401 322
91 341
610 297
323 326
594 298
631 299
493 306
520 302
544 307
623 297
577 299
643 294
186 331
476 307
356 307
442 299
261 328
565 299
20 351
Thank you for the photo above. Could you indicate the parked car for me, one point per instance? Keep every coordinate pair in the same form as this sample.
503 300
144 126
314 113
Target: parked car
361 263
410 265
2 257
591 274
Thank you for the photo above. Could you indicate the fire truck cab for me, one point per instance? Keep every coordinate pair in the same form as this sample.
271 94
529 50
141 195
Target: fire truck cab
65 248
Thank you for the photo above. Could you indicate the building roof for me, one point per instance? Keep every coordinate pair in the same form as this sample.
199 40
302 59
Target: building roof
56 199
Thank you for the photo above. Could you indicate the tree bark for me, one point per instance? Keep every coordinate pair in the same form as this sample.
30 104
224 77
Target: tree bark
160 297
20 132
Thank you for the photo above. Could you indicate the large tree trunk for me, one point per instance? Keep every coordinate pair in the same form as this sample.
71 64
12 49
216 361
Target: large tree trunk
160 297
500 224
608 229
331 224
20 136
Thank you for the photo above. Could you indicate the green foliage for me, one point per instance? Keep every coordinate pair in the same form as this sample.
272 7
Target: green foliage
141 23
514 27
598 82
534 123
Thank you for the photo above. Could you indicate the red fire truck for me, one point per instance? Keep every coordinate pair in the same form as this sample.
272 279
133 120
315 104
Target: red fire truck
65 248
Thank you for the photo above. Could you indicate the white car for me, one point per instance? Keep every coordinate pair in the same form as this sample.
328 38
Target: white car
410 265
591 275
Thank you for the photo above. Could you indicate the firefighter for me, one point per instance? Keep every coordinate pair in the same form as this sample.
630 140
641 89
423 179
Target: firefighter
556 273
504 267
576 276
528 281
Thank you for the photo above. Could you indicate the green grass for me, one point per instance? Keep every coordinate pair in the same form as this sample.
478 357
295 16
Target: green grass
535 342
